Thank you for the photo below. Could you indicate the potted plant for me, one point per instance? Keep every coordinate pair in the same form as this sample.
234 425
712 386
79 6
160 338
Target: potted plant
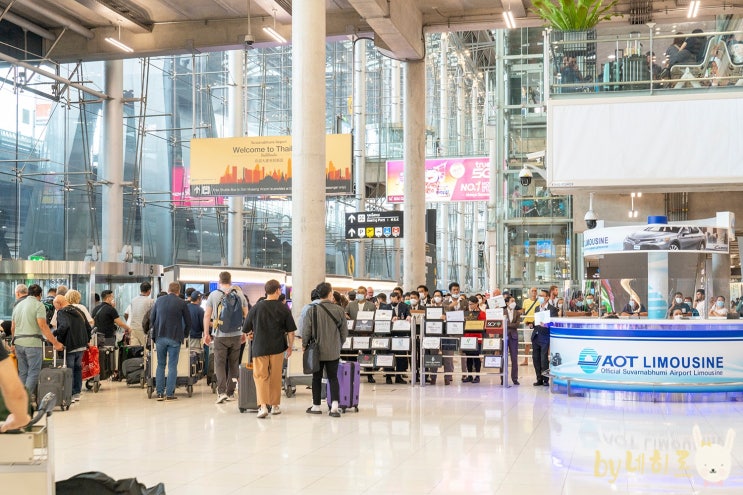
574 15
575 21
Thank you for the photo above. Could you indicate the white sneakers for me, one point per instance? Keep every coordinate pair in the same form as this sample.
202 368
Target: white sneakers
275 410
262 412
221 399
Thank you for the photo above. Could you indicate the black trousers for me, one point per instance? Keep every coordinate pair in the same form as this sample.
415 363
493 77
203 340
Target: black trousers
540 356
473 363
331 370
513 352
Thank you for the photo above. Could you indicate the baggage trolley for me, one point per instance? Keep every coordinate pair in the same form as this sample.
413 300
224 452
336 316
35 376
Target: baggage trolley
188 372
27 455
92 365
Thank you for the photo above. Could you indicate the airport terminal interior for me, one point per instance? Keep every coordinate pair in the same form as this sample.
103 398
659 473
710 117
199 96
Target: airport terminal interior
540 158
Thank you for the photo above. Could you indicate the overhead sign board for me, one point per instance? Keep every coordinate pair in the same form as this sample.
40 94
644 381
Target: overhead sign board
447 179
374 225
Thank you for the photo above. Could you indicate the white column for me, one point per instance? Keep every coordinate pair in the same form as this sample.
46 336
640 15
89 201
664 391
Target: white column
461 117
444 94
395 107
443 136
235 218
359 147
414 270
112 195
308 149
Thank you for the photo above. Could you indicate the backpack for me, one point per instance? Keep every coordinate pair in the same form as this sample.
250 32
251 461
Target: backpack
49 307
229 316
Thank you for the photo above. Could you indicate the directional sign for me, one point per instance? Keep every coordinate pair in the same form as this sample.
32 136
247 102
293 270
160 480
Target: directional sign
374 225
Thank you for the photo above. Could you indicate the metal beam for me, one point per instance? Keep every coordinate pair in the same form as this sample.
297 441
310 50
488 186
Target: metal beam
51 75
127 21
56 17
28 26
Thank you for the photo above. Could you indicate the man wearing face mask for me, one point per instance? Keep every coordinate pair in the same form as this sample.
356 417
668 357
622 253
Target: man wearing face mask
680 305
415 305
591 306
400 311
540 339
530 306
423 295
453 301
360 304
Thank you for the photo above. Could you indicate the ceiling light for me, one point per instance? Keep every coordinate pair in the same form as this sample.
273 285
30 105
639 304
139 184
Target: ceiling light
271 31
118 44
510 21
693 8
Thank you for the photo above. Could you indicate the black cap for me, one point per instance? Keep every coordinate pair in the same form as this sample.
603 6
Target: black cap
195 295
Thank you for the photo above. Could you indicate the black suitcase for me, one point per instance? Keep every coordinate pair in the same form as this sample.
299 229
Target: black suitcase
132 370
107 358
57 381
129 352
247 399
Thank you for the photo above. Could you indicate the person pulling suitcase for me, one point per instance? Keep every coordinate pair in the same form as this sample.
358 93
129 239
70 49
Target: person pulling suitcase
326 325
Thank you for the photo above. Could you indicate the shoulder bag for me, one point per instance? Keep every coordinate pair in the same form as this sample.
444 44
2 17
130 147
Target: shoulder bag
311 356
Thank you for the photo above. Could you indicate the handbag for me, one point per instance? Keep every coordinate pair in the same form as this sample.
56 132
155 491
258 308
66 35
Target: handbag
311 356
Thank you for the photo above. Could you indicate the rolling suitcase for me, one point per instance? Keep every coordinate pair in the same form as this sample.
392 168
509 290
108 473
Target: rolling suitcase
247 399
349 383
57 381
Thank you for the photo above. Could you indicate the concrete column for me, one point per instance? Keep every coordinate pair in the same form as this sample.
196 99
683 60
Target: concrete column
359 147
492 219
112 195
444 94
414 269
235 228
395 107
308 150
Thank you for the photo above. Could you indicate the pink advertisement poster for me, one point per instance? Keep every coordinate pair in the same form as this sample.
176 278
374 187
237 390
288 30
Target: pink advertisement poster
447 179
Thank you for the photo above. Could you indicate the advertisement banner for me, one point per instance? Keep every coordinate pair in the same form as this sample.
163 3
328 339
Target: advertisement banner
656 237
258 166
447 179
683 357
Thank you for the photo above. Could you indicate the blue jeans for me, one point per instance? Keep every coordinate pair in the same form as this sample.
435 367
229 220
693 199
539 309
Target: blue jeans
29 366
166 349
75 363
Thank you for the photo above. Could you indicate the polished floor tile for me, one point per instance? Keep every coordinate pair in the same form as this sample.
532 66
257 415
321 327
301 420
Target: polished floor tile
464 438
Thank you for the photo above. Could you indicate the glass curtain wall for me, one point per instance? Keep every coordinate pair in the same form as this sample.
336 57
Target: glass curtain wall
50 206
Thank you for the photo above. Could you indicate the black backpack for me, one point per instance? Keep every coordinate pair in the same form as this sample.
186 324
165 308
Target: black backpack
229 317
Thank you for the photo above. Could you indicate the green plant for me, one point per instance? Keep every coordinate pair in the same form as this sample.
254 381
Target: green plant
574 15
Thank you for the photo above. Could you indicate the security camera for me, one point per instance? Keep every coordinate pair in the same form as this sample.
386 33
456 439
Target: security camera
591 219
537 155
525 176
249 39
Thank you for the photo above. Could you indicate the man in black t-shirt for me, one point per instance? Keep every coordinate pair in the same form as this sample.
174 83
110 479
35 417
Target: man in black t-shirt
107 318
271 327
14 394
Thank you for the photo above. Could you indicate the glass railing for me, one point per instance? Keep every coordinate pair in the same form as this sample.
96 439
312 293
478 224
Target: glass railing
538 207
644 63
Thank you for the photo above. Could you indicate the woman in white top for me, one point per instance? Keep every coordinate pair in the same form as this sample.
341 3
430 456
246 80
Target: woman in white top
719 309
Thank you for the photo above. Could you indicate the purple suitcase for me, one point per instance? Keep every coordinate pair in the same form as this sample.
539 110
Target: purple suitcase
349 383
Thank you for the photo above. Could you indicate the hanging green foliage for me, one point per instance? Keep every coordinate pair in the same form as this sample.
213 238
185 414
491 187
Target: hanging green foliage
574 15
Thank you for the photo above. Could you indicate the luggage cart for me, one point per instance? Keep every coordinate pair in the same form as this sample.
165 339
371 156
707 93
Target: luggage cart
27 455
188 374
92 371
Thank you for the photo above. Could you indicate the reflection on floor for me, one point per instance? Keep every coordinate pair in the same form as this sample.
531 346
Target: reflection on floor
464 438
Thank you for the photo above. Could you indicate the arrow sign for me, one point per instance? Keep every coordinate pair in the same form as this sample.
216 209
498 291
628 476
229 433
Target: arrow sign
351 219
375 224
351 232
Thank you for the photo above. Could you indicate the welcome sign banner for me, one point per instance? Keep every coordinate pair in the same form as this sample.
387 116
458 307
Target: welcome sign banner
258 166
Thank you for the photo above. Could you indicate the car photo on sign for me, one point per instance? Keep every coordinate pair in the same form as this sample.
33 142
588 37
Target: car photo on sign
666 238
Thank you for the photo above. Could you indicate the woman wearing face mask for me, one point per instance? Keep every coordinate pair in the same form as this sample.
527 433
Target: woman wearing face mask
437 301
720 308
352 310
513 322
